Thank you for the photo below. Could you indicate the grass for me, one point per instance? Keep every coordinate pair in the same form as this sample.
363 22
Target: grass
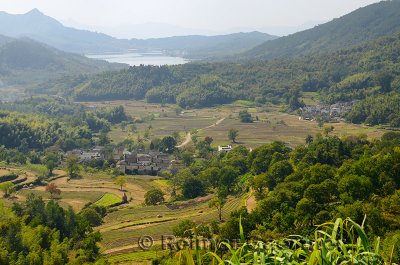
108 200
75 199
123 227
272 125
137 256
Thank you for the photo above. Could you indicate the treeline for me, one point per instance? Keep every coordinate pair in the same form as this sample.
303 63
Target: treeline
355 73
40 124
381 109
299 188
36 232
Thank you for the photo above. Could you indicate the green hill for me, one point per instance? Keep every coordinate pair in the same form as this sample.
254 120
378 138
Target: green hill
24 60
37 26
362 25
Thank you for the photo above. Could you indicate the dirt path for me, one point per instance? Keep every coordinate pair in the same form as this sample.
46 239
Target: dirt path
215 124
119 249
188 138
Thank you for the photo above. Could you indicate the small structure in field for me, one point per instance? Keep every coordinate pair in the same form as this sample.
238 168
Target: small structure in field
226 148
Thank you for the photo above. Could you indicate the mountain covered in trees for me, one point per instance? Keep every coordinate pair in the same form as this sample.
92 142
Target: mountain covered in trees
364 24
45 29
356 73
24 60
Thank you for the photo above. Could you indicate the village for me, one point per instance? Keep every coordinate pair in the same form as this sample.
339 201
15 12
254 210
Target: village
329 113
138 162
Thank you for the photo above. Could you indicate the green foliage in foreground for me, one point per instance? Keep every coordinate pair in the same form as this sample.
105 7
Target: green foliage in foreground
36 232
341 242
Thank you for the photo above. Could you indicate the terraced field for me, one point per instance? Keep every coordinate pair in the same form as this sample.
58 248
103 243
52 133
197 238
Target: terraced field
123 228
271 124
108 200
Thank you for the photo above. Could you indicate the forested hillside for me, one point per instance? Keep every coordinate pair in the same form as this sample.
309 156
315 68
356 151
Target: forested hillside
364 24
24 60
206 47
298 189
39 232
42 123
353 74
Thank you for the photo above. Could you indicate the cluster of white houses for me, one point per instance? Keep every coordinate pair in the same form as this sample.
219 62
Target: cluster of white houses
146 163
141 162
96 153
334 112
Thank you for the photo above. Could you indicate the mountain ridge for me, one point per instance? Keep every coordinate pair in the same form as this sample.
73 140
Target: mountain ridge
362 25
24 60
40 27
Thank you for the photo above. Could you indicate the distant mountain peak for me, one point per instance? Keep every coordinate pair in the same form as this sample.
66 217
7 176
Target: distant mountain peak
35 11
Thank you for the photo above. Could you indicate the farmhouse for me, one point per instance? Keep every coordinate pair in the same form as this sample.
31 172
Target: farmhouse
145 163
85 155
227 148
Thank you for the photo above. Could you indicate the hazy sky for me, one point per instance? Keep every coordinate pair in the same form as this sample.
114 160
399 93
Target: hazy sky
206 16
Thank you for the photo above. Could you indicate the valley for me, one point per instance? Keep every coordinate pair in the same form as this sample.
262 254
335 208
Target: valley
243 148
272 124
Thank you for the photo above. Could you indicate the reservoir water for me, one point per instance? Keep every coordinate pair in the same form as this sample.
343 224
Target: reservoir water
138 58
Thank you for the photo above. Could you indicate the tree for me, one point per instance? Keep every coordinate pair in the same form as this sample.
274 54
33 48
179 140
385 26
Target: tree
154 197
103 139
218 203
208 140
277 173
53 189
245 116
91 216
7 188
51 162
328 130
167 144
121 181
309 139
192 188
259 183
232 135
72 165
176 136
51 165
227 178
187 158
184 229
210 176
384 79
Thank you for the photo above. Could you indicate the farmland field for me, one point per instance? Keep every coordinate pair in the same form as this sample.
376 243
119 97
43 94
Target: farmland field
270 124
108 199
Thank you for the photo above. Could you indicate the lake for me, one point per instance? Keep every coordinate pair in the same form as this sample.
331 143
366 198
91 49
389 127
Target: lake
138 58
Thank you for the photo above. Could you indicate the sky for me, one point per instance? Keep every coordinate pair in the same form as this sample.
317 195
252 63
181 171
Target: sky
158 18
